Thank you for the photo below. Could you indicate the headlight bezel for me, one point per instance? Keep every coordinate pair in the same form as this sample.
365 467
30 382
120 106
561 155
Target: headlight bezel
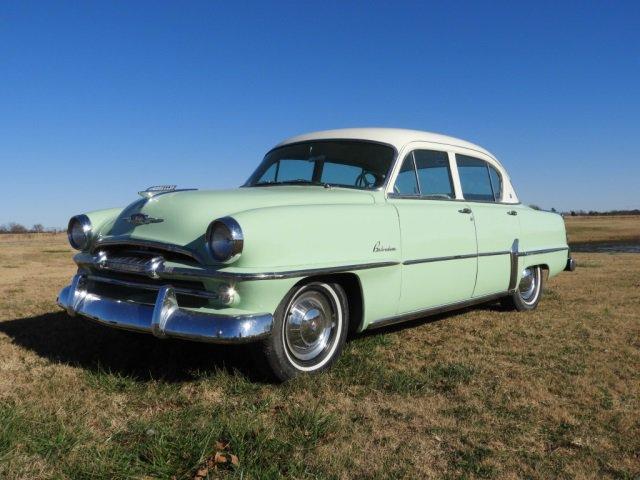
87 229
236 239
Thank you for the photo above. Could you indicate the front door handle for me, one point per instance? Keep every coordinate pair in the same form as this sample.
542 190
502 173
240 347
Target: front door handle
512 212
465 210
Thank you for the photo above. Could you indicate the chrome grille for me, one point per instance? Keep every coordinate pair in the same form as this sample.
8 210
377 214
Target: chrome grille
130 273
129 264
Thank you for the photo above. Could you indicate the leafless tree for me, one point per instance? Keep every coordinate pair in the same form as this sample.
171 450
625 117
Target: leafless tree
17 228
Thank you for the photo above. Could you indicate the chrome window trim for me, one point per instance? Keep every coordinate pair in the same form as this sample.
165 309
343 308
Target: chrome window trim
417 197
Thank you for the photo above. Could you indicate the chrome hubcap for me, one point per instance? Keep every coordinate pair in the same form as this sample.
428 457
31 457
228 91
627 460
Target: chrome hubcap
309 325
528 284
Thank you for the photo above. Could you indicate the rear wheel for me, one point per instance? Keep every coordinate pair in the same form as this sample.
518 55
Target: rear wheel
527 295
309 331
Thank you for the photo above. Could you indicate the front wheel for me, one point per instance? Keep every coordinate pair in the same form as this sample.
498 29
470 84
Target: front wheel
527 295
309 330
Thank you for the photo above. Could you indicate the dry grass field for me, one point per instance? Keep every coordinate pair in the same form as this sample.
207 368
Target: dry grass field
483 393
603 229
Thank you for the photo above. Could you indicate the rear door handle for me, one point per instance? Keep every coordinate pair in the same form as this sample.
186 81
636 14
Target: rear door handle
465 210
512 212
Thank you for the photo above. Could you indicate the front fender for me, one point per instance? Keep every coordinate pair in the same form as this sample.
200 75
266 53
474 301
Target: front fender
306 236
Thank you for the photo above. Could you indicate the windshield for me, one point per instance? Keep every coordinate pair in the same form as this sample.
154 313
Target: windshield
340 163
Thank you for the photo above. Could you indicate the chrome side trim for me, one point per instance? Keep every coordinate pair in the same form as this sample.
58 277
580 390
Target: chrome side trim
285 274
439 259
541 251
162 271
405 317
513 275
491 254
154 288
165 318
455 257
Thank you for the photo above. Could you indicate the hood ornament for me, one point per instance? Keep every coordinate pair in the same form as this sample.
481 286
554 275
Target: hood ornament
138 219
157 190
160 189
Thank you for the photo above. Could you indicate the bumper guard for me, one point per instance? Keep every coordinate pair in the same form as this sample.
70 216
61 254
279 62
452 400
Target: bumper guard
165 318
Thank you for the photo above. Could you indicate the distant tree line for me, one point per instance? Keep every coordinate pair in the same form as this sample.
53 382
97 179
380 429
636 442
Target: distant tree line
13 227
593 213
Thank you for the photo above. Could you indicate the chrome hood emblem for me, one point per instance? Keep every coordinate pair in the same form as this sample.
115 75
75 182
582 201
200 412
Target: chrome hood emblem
162 189
157 190
142 219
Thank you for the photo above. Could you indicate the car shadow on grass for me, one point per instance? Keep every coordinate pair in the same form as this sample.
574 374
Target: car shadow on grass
142 357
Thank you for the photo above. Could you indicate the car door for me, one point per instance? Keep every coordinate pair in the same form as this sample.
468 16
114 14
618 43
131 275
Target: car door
496 223
437 233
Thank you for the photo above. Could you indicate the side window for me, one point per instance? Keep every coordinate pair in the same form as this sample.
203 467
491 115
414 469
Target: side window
434 175
475 179
406 182
496 183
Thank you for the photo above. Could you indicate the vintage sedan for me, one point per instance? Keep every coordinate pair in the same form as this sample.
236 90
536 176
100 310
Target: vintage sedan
335 232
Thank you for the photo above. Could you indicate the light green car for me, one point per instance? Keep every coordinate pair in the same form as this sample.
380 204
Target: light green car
335 232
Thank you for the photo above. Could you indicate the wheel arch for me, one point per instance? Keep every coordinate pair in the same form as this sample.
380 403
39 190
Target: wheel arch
352 286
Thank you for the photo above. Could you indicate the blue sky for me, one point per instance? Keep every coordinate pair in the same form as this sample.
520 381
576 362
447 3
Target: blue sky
101 99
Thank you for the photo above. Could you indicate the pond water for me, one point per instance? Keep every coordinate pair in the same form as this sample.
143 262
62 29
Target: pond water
606 247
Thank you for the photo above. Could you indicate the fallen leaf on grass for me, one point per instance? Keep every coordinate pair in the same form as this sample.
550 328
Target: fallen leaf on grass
221 458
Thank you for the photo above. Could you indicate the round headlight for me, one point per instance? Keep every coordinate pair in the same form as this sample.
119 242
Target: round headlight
225 240
79 231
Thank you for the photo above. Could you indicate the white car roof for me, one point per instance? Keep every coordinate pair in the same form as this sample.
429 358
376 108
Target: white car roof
397 137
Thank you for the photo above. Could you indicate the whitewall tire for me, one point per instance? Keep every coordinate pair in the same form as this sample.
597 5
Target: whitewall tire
309 331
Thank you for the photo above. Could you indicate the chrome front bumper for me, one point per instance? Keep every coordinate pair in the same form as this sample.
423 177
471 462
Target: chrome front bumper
165 318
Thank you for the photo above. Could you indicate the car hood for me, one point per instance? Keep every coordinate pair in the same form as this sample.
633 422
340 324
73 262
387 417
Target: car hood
182 217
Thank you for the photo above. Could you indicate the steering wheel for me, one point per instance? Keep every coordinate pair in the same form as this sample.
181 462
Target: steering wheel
366 180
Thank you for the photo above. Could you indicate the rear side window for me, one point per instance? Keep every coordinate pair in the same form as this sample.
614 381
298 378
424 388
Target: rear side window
434 175
475 179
